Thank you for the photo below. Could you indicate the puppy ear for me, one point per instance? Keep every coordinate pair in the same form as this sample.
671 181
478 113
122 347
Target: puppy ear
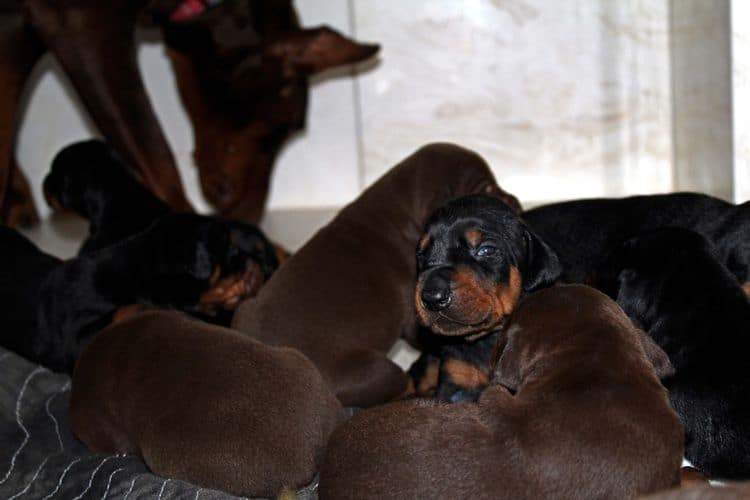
493 189
656 356
542 265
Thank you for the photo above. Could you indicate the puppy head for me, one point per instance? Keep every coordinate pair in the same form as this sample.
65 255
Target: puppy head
475 260
79 168
569 322
655 271
208 263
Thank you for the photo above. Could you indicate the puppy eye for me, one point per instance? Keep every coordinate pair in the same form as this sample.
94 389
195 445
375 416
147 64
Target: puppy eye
486 251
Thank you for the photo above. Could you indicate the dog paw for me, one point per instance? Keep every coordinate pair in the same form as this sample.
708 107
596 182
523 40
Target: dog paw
228 291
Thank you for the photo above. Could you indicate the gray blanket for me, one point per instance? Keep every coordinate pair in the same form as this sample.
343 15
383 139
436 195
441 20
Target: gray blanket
41 459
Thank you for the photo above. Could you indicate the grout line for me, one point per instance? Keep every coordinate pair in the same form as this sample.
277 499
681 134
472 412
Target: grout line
356 97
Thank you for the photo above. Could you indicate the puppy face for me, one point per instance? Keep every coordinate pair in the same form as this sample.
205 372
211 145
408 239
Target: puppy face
475 260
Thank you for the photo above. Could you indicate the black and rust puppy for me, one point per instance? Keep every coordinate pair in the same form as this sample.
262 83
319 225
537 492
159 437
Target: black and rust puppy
583 231
574 410
91 179
672 283
477 258
182 261
204 404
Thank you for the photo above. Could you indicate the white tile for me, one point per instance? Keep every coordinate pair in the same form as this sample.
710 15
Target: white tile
319 166
741 97
563 99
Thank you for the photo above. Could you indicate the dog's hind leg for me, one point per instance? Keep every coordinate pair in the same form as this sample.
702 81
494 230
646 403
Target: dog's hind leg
95 44
370 378
20 50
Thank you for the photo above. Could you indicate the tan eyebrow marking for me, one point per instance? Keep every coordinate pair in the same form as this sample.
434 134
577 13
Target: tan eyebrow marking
473 236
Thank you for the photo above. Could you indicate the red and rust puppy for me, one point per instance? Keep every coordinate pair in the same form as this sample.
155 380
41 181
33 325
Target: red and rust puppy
203 404
575 410
348 294
475 260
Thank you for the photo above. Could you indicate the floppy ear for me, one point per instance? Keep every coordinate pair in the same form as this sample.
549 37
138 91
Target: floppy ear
656 356
542 265
493 189
316 49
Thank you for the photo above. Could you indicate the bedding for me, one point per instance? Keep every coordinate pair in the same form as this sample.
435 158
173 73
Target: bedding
41 459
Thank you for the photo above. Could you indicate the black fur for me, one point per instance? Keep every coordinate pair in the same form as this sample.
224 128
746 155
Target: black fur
672 283
91 179
583 231
56 307
447 258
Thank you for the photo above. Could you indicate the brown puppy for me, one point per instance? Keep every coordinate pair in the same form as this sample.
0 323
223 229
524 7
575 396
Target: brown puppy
574 410
346 296
203 404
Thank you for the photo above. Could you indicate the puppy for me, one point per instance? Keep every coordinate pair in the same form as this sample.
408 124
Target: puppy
183 261
203 404
574 410
91 179
583 231
475 261
347 295
672 283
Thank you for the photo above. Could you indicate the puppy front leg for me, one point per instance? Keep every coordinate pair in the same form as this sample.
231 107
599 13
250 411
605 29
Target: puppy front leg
464 369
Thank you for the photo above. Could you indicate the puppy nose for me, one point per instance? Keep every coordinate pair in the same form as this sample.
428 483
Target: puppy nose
436 291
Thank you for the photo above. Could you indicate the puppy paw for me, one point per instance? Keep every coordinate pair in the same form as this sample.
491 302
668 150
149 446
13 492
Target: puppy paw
228 291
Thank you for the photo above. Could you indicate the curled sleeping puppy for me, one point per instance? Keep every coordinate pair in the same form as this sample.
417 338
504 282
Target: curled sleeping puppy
574 410
347 295
182 261
91 179
673 284
582 232
203 404
476 259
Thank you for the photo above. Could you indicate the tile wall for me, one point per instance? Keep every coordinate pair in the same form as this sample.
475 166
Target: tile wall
563 99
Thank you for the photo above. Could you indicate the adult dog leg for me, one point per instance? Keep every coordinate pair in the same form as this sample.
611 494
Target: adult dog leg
94 42
20 49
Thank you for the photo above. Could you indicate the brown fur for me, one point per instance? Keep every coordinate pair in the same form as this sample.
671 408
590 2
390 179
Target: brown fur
203 404
346 296
732 491
574 410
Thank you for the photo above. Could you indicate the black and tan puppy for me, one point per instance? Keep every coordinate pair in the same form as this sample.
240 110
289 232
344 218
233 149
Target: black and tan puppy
582 232
91 179
475 260
203 404
348 294
575 410
672 283
183 261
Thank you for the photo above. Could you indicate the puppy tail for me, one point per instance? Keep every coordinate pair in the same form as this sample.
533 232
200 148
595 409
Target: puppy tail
287 493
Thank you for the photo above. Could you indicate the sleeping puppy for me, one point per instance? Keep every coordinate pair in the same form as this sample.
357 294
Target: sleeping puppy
203 404
183 261
583 231
91 179
476 259
574 410
348 294
672 283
